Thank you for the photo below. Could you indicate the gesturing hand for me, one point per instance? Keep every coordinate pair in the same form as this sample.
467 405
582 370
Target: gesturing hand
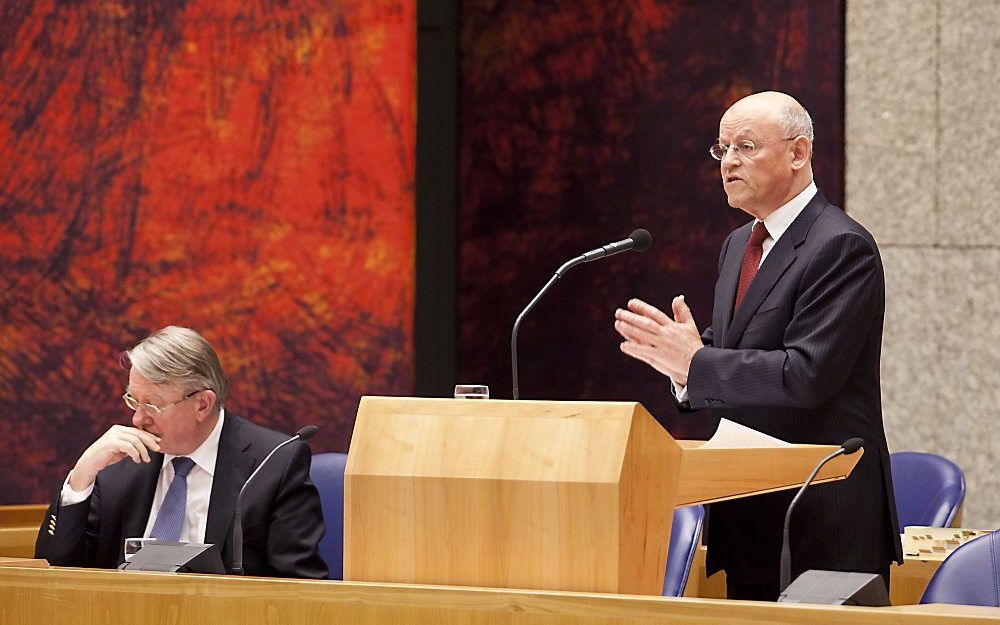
666 344
118 443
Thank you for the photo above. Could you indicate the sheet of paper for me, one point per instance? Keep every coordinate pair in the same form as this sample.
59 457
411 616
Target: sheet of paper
731 435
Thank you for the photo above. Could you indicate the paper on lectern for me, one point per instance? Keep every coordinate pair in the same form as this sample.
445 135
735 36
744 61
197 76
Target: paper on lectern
731 435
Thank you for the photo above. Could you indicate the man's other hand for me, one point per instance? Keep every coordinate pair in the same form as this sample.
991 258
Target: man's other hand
666 344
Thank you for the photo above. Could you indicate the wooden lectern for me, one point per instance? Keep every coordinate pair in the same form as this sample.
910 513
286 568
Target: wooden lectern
546 495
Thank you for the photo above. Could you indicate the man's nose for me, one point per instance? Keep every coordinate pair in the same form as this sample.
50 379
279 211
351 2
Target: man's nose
140 418
731 156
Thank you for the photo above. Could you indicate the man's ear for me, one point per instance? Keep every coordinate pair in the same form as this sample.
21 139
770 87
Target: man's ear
205 404
801 152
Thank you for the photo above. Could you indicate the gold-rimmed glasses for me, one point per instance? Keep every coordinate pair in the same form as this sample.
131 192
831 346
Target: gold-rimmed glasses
135 404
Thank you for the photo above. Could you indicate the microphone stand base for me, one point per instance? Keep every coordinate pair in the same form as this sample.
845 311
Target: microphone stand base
837 588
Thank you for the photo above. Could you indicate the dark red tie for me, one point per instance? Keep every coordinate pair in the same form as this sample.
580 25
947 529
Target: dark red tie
751 261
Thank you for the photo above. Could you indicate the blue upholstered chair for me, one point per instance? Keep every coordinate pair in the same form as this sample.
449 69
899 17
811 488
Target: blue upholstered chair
929 489
969 576
683 545
327 472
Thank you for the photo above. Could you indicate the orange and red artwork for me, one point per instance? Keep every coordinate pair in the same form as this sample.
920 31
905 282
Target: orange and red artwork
242 168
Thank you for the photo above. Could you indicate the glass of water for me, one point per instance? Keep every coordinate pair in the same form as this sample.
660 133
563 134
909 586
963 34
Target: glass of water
472 391
133 545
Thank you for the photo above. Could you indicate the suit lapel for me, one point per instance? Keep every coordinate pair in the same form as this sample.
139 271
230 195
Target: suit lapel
232 468
781 256
140 488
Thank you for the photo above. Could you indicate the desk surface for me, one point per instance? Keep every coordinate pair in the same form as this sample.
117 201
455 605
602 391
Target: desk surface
63 595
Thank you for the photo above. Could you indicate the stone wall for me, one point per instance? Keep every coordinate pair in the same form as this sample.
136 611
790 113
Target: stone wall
923 174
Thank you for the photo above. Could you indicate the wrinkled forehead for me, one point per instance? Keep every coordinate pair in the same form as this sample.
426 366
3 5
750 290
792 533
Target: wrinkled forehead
140 386
748 122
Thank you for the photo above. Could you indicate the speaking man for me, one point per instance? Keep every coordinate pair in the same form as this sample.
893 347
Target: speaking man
174 474
793 351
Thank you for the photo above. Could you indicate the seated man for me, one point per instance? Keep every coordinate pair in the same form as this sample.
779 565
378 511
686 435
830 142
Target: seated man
176 473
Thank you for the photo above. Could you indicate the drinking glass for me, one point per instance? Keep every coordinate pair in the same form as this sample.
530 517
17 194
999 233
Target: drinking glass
472 391
133 545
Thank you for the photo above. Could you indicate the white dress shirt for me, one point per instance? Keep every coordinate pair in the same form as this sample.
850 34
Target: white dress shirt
776 223
199 491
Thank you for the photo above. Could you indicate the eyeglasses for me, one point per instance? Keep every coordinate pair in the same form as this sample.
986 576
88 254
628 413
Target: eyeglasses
134 404
745 148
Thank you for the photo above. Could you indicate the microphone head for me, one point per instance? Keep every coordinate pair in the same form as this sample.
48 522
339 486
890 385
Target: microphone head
641 240
307 432
851 445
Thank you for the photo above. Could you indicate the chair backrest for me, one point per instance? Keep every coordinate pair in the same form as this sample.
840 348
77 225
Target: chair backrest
929 489
969 576
327 472
683 545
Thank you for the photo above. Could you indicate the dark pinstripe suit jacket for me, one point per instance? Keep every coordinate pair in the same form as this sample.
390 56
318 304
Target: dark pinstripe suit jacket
800 361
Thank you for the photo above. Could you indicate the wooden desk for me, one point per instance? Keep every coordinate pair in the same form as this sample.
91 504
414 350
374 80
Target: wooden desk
907 584
18 529
57 595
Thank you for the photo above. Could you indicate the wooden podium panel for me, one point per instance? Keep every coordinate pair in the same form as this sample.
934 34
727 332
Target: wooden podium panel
718 474
535 494
547 495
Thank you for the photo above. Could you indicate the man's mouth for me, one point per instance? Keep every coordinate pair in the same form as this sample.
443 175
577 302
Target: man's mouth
731 178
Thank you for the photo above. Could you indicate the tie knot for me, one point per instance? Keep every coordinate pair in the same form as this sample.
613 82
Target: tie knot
182 466
758 234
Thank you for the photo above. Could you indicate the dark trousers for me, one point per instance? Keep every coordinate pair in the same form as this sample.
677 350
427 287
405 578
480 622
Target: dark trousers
767 589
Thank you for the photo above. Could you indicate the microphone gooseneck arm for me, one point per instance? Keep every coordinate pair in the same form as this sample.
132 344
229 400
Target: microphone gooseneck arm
849 447
517 324
639 241
238 520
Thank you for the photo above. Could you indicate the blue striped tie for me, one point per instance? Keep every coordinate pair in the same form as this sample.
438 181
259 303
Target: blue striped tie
170 520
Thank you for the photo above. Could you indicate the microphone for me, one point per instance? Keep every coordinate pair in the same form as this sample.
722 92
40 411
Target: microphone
303 434
848 447
638 241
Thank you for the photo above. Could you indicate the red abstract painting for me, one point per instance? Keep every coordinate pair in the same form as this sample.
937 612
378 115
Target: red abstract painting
242 168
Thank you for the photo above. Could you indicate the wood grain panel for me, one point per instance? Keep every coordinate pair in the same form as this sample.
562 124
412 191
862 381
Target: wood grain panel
719 474
550 495
77 596
18 529
29 515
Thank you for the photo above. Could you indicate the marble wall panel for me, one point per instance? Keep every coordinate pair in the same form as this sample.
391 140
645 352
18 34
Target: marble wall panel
923 73
911 343
969 362
891 142
969 122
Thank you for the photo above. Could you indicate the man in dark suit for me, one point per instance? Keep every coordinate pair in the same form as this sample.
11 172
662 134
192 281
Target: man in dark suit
793 351
176 473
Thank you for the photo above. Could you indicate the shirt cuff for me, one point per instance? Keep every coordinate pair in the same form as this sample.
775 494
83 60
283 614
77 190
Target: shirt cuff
68 496
680 392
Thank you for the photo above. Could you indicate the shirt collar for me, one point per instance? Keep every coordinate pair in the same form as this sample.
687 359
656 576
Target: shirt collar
206 453
778 221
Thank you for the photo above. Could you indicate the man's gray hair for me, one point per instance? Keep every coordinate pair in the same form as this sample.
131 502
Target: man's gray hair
176 355
795 121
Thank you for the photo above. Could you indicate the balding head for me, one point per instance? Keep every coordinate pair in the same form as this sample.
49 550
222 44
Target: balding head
791 116
778 167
